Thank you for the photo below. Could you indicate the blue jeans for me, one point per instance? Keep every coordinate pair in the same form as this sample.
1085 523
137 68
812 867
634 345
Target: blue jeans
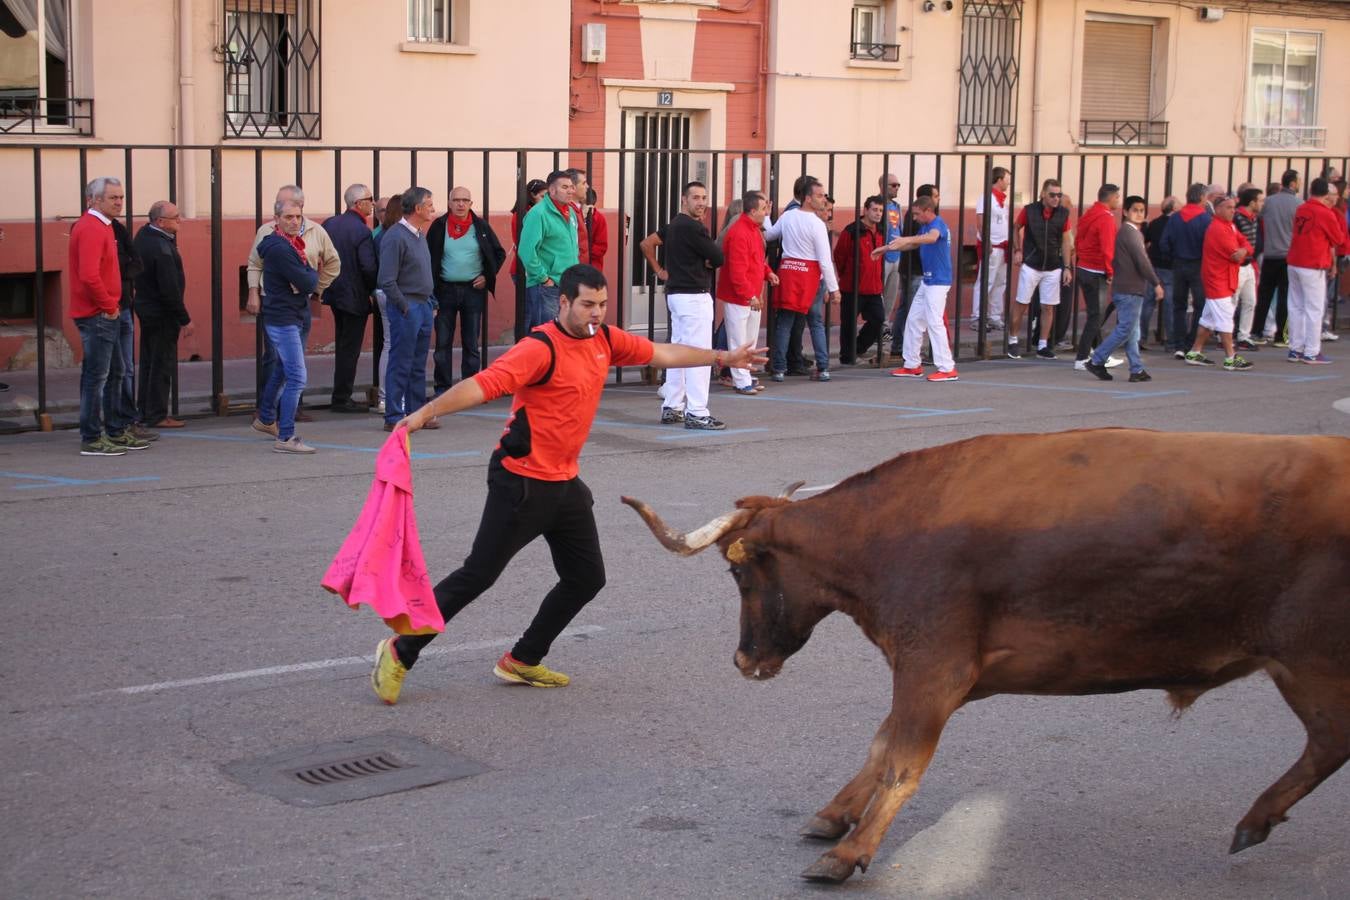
287 382
541 304
409 339
815 321
126 338
466 303
1126 332
100 378
269 356
1150 306
783 321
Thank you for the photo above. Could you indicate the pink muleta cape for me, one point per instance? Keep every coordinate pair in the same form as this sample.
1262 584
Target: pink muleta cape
380 563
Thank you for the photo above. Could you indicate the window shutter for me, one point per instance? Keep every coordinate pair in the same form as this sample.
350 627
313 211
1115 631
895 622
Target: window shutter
1117 71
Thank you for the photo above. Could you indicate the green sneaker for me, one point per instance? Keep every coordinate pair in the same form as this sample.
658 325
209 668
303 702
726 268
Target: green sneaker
1236 364
508 668
101 446
387 676
128 441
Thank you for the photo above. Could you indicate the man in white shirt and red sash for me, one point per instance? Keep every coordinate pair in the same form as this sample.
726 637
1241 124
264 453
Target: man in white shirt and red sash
806 262
995 256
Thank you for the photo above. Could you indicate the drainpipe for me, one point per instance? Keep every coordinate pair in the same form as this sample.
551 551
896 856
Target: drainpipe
1036 79
187 162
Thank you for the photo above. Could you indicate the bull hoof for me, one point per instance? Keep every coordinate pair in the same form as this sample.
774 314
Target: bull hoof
1248 837
829 869
823 829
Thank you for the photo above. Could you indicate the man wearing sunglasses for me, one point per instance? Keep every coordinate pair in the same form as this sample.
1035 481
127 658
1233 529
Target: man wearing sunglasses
1043 244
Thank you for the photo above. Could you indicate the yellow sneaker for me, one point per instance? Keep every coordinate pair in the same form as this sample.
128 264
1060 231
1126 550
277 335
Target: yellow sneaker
508 668
387 676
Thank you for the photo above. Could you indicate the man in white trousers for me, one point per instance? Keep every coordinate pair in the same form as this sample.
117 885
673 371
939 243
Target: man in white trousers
1319 235
930 305
691 255
995 256
740 284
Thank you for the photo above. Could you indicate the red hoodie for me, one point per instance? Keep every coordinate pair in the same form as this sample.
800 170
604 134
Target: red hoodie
1317 230
1097 239
1217 269
744 269
869 269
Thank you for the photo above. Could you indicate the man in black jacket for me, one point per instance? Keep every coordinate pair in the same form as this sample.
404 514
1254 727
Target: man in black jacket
159 306
128 265
465 259
349 294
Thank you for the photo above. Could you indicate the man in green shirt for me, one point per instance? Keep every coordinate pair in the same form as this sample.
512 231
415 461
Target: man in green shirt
547 248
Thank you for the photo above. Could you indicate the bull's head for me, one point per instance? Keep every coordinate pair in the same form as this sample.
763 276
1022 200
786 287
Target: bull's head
777 613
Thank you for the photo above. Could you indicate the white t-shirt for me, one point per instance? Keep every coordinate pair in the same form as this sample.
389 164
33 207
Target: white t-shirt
998 220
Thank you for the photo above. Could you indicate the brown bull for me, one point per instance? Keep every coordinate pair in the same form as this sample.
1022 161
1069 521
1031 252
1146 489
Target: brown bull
1084 562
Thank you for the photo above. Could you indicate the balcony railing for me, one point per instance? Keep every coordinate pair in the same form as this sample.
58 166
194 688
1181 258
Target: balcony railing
874 52
1285 137
1115 133
39 115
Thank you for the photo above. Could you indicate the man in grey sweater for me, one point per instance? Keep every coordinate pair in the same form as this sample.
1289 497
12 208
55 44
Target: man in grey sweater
1277 226
1134 276
405 279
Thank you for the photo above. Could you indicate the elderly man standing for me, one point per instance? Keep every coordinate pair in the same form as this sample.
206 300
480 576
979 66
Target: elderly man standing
1224 250
321 255
741 285
159 305
465 258
406 279
547 248
95 296
349 294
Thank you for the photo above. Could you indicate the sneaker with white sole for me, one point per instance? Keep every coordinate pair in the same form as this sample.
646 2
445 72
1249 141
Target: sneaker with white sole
703 423
508 668
1236 364
1320 359
1080 365
1014 349
268 428
293 444
671 416
944 376
1198 359
1113 361
128 441
1329 335
101 446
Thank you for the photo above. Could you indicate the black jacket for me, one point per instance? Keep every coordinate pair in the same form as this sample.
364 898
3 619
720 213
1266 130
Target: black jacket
160 282
127 263
350 291
488 245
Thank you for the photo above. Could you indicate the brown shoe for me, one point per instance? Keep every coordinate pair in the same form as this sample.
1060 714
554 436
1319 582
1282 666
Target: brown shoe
142 432
170 422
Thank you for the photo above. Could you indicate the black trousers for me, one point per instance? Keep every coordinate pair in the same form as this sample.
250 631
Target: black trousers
848 326
349 332
463 304
159 351
1274 278
873 311
517 511
1186 282
1094 288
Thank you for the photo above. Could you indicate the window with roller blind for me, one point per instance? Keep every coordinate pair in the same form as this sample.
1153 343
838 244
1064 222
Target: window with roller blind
1116 104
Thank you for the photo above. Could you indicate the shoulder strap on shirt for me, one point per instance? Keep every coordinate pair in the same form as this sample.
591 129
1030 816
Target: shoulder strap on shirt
543 338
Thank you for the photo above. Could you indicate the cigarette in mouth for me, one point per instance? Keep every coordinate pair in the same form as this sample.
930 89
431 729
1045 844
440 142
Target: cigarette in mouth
591 327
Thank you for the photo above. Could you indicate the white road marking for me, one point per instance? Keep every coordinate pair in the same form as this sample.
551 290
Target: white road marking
332 663
1342 405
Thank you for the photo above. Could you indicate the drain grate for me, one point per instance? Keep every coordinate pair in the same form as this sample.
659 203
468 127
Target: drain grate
361 767
357 769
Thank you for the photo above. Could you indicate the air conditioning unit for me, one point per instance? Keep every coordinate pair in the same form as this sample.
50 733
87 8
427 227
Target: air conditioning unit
1210 13
593 43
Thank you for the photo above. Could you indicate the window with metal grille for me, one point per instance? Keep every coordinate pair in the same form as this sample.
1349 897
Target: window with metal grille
991 47
1116 104
873 32
37 83
431 21
1282 90
272 68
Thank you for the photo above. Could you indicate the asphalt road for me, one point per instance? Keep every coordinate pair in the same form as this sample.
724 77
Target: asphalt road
164 619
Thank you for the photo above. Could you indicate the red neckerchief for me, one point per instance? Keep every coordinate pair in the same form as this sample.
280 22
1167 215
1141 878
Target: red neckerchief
298 245
563 208
457 228
1000 196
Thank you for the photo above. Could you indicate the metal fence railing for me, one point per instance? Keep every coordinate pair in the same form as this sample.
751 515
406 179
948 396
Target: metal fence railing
225 192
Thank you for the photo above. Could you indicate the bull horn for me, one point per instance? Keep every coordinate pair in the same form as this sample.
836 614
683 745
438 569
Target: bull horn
696 540
790 490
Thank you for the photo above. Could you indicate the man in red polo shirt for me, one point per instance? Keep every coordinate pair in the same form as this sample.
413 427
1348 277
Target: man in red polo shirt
557 373
1224 250
1319 235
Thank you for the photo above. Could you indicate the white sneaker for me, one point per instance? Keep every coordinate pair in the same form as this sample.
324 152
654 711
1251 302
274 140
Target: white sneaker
292 445
1113 361
1080 365
1064 345
1329 335
378 408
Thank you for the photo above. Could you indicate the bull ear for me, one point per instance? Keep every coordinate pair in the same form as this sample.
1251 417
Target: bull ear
738 552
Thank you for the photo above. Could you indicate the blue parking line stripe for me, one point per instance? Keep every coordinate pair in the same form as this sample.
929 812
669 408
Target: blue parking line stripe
1118 393
52 481
852 403
688 433
241 439
945 412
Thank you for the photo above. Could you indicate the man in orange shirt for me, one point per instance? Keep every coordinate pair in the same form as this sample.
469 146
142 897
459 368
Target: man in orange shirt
557 373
